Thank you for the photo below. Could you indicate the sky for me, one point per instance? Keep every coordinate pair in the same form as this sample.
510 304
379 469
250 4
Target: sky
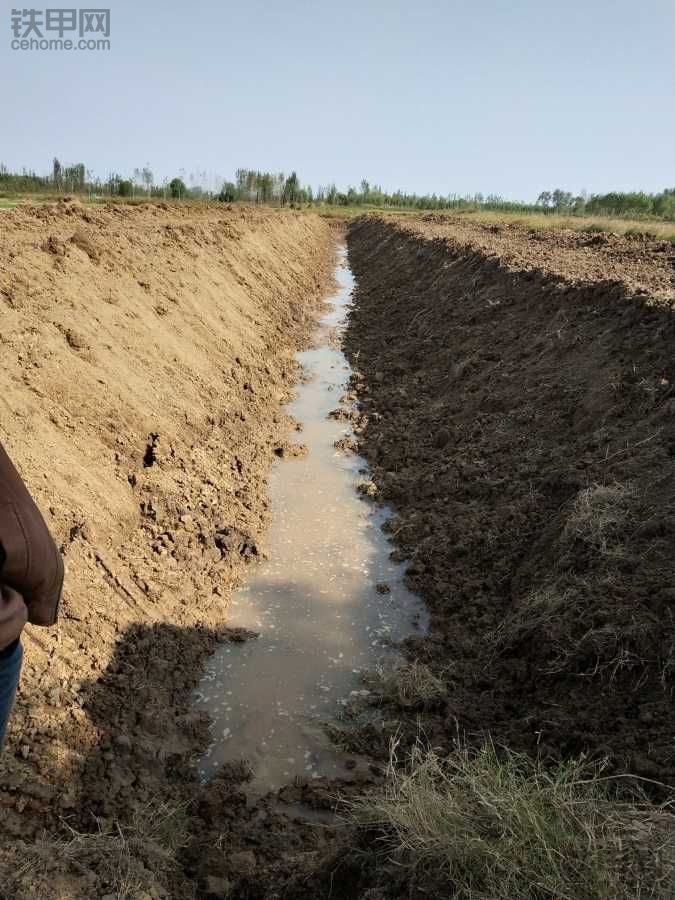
455 96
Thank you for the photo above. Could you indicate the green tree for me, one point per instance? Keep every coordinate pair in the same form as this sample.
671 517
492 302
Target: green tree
291 189
147 177
56 173
177 188
228 193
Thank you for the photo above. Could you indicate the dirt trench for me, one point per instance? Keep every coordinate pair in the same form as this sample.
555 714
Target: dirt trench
516 409
517 405
147 353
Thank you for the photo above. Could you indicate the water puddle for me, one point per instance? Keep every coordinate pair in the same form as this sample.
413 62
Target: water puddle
318 602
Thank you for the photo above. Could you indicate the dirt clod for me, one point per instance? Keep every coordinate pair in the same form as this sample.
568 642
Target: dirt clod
85 242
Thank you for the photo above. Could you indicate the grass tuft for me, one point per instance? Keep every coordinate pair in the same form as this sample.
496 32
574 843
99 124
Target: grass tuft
599 514
127 858
534 615
411 686
496 826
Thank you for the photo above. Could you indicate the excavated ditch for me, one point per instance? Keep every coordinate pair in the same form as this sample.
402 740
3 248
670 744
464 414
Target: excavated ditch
327 604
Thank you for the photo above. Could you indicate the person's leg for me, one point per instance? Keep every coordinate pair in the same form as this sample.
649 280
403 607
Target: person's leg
10 672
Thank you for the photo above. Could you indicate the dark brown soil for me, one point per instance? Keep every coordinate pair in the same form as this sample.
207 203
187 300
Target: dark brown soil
518 412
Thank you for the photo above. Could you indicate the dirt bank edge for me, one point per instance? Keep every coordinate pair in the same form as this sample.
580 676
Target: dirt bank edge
148 352
518 417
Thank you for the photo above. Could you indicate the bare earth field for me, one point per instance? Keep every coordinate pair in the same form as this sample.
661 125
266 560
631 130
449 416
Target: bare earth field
515 392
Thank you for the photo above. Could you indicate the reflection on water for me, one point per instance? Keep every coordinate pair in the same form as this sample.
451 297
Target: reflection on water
314 601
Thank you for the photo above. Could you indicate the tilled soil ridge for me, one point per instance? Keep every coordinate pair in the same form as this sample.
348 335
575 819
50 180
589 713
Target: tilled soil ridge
517 412
147 352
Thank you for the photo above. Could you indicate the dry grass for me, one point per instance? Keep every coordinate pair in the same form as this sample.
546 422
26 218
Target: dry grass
498 826
533 615
556 617
599 515
607 652
631 227
126 858
411 686
573 614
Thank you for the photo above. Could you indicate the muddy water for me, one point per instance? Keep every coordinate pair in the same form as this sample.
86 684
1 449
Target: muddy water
314 601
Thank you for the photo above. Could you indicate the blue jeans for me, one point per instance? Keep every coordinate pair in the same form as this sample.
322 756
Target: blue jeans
10 671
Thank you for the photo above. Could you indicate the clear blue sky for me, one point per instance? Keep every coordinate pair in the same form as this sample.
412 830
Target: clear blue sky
504 96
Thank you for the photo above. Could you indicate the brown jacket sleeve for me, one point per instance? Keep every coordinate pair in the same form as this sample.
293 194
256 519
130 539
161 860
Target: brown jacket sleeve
32 562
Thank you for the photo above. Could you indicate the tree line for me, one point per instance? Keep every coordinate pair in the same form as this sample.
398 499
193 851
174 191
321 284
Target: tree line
255 186
276 188
629 204
77 179
249 185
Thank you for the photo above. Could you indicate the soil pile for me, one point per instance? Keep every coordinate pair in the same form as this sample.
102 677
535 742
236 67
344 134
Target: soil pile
146 354
517 396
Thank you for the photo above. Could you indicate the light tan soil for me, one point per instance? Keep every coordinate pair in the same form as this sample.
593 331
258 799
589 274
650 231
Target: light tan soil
146 354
